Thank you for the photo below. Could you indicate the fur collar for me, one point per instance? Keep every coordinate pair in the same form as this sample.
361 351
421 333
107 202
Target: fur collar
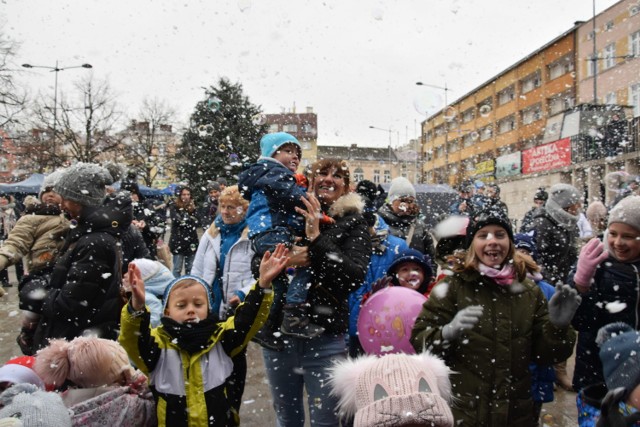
562 217
214 231
350 203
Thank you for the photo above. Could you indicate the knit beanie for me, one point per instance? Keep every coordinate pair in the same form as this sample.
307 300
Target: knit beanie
620 355
170 286
84 183
627 211
49 182
541 195
412 255
400 187
525 241
270 143
33 407
564 195
393 390
213 185
20 370
489 216
86 361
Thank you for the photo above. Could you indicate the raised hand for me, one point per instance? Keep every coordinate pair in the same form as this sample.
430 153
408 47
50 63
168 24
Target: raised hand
464 320
273 264
563 305
592 254
137 287
312 215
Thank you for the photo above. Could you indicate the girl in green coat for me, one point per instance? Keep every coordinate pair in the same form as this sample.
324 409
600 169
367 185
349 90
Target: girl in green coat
489 321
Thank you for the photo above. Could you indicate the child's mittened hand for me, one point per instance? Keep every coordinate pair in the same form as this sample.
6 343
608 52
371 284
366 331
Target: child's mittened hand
610 415
591 255
272 265
563 305
465 319
137 287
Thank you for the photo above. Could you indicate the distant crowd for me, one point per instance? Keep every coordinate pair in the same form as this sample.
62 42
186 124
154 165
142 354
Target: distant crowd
378 319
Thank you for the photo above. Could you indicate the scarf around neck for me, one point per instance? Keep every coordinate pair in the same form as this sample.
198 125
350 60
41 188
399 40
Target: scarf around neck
191 337
503 277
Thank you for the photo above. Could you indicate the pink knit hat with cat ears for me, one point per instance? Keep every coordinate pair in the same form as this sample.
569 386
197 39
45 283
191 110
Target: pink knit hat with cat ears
393 390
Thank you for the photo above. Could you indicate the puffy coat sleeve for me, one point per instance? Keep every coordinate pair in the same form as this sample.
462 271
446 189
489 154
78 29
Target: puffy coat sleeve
247 320
282 190
88 279
19 242
136 338
342 266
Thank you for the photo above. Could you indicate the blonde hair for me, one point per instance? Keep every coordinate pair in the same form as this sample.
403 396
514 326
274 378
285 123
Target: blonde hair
232 195
467 261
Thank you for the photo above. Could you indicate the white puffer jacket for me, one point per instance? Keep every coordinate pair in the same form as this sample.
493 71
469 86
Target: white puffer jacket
237 269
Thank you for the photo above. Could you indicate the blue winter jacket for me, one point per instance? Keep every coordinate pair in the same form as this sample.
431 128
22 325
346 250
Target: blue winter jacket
378 265
273 195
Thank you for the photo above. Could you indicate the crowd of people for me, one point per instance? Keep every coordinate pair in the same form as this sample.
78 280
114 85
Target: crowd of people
115 333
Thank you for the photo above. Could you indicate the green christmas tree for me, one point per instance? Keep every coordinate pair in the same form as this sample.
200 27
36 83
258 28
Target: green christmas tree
223 136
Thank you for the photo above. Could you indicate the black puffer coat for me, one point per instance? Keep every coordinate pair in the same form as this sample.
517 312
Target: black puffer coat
83 293
184 223
556 244
613 297
339 258
400 226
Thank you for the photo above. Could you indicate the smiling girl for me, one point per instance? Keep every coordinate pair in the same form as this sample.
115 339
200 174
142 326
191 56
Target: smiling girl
489 320
607 276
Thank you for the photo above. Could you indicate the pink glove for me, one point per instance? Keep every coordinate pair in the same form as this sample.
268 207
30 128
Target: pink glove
591 255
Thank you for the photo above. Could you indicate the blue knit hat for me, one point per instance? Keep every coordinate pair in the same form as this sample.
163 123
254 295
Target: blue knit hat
525 241
620 355
412 255
169 288
270 143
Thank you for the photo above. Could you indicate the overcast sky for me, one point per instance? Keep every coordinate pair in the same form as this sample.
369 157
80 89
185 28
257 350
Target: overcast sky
355 62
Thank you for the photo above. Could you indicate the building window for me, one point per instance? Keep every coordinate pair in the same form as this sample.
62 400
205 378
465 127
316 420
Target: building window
531 114
590 35
506 95
290 128
439 130
428 136
609 56
470 138
560 67
611 98
387 176
440 152
634 99
376 176
467 115
531 82
608 26
591 65
634 44
358 175
506 124
454 145
308 128
273 128
633 10
486 133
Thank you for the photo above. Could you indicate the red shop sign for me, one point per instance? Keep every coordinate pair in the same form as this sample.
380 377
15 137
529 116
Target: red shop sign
547 157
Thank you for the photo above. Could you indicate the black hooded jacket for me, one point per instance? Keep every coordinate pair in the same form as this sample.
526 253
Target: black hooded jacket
83 294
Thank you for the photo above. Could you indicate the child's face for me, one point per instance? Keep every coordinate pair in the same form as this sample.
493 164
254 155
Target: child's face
287 154
51 198
491 245
410 275
185 196
188 303
624 242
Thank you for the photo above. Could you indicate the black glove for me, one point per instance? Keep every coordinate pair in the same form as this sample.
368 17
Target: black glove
610 416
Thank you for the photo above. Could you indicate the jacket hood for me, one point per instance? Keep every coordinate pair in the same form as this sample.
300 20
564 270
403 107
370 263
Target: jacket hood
347 204
114 216
248 178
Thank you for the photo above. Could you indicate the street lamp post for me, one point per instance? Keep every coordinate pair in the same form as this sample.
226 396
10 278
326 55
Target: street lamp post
55 70
446 130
